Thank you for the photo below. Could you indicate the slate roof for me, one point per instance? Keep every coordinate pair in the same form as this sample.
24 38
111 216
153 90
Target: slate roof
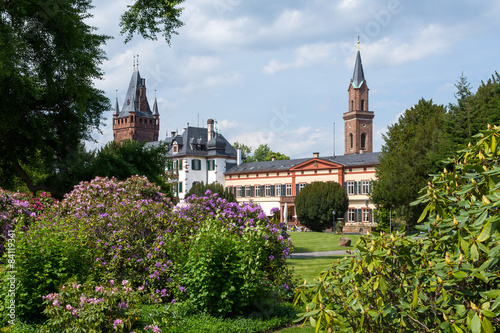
283 165
131 102
193 142
359 76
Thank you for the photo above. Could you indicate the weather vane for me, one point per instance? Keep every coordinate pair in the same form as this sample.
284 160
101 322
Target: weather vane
358 41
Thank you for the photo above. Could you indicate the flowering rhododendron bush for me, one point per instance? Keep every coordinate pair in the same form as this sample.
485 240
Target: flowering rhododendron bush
127 230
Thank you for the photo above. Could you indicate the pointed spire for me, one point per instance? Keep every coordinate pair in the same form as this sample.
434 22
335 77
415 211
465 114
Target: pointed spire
117 108
155 107
359 77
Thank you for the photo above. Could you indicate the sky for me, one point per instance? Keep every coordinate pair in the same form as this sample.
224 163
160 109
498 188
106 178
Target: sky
276 72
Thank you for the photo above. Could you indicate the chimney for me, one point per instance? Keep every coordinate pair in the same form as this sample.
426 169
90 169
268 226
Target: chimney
172 134
273 158
210 129
315 155
238 156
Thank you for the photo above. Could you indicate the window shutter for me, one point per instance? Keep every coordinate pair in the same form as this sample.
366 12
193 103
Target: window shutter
252 191
272 190
370 187
360 191
208 165
193 164
262 190
213 164
180 187
180 164
296 189
358 215
243 191
344 184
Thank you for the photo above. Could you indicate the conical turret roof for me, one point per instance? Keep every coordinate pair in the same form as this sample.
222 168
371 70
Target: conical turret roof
359 76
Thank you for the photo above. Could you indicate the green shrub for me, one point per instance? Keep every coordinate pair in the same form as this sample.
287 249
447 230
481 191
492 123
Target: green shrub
316 202
228 268
200 190
446 280
47 255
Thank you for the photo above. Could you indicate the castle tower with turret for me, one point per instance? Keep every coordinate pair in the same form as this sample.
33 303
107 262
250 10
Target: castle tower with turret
135 121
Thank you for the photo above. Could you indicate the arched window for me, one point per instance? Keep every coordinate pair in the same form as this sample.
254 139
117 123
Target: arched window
351 141
363 141
362 105
352 105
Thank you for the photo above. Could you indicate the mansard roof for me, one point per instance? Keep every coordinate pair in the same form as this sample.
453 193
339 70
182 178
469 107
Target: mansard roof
131 102
359 76
193 142
352 160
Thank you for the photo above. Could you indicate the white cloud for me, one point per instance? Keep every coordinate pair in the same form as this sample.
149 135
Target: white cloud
305 56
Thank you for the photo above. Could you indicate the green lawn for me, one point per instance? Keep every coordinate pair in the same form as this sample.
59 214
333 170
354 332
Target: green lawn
308 268
318 241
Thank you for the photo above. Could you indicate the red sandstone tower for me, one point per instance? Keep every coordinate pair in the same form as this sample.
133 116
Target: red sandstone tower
136 121
358 121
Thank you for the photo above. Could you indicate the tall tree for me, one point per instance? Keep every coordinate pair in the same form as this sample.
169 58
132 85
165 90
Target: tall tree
49 58
411 152
473 111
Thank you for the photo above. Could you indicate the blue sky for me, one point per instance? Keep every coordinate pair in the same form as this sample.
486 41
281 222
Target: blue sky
277 72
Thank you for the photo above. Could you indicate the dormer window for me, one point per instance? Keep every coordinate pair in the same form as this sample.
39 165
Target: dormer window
175 148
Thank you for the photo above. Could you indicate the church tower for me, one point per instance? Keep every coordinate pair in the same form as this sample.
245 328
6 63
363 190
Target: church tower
358 121
136 121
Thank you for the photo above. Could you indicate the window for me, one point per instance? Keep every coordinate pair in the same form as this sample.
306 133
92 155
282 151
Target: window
352 105
351 141
180 164
351 215
363 141
238 192
366 215
248 191
180 187
351 186
268 190
211 165
278 190
196 164
288 190
362 105
257 191
366 187
301 186
175 148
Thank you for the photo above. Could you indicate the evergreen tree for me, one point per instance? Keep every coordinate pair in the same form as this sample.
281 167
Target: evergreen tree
412 151
316 202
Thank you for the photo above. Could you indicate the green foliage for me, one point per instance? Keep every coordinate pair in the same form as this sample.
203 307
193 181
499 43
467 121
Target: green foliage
446 281
50 58
47 255
146 19
316 202
473 111
92 307
228 269
129 158
200 190
412 150
245 150
264 153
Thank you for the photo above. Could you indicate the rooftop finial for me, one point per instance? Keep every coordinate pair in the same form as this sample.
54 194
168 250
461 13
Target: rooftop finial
134 63
137 61
358 41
